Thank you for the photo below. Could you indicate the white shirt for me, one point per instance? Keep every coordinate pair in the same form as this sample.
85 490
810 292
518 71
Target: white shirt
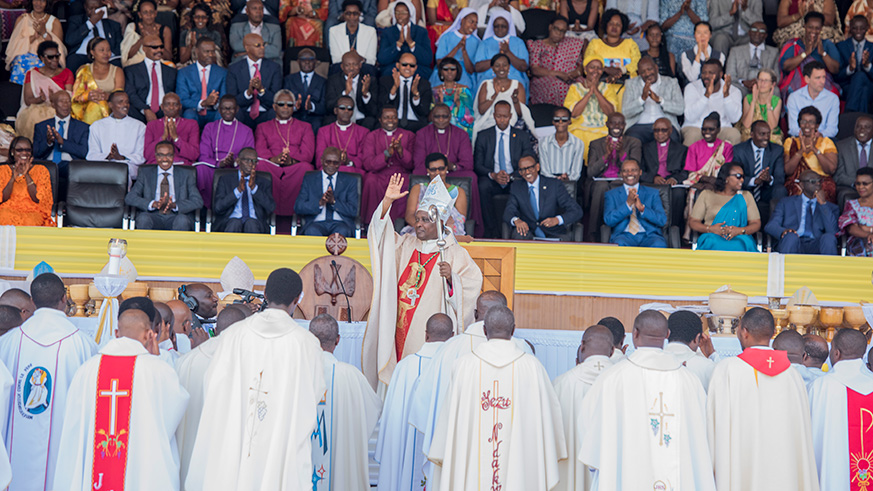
306 78
64 133
237 209
358 114
262 108
652 110
322 215
200 76
83 48
407 81
160 178
256 29
156 65
698 106
755 150
506 153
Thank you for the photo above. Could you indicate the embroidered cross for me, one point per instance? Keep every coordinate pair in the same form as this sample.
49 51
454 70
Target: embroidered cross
598 366
260 410
770 362
413 295
658 421
113 394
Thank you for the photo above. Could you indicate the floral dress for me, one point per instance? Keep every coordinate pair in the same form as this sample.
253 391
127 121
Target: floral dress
460 101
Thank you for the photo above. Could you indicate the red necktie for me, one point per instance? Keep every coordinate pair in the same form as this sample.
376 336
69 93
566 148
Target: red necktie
155 104
203 91
255 110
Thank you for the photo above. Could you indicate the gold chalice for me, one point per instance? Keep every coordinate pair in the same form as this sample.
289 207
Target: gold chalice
830 318
853 317
136 289
79 295
781 318
801 317
161 294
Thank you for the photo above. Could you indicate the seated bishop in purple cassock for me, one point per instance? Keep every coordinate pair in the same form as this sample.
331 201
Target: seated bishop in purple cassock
220 144
285 149
349 139
388 150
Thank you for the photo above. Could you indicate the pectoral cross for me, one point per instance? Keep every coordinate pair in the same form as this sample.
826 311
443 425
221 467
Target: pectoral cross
113 394
260 407
660 418
770 362
413 295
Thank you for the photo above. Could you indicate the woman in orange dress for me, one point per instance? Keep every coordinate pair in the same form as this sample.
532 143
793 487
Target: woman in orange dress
26 198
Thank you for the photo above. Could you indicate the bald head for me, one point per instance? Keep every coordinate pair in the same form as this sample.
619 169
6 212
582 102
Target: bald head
848 344
325 328
135 324
20 299
487 300
650 330
791 342
756 328
181 317
438 328
596 340
228 316
815 350
499 323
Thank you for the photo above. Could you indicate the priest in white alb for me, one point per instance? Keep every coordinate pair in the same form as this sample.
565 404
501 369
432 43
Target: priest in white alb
346 417
689 345
260 396
571 387
758 416
411 281
432 388
122 412
42 355
501 426
5 400
191 368
841 406
643 424
398 450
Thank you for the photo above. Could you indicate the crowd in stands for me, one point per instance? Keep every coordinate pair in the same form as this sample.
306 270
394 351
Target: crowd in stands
653 115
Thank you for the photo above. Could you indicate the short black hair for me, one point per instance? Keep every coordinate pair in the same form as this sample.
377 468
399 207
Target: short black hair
713 61
10 318
810 110
615 327
434 157
864 171
609 14
497 57
723 174
355 3
45 46
759 323
684 326
561 109
139 303
114 94
283 287
166 143
813 65
703 23
47 290
448 60
813 15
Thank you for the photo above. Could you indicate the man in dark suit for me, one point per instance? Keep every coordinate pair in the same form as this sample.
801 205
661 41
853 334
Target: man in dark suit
199 104
83 28
61 138
496 149
764 163
856 60
852 152
243 200
807 223
328 200
166 203
307 86
254 81
271 10
539 206
146 89
254 23
660 167
364 88
634 212
410 94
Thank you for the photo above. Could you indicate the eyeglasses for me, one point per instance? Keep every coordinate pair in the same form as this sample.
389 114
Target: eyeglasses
450 68
52 57
863 183
408 65
738 175
811 181
525 170
308 58
759 31
331 161
156 46
441 168
345 108
248 160
558 119
24 150
164 155
284 104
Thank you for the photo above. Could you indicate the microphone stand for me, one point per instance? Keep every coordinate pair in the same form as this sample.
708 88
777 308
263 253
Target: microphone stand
434 215
336 271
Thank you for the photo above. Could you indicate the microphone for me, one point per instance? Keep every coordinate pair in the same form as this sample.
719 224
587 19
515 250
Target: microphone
348 303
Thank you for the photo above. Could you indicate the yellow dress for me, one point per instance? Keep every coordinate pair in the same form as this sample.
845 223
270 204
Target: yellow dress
625 56
83 109
591 124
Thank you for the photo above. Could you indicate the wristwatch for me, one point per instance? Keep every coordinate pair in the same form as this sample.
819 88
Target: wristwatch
803 55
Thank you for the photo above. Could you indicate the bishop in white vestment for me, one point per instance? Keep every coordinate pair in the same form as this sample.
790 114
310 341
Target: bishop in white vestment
841 407
42 355
398 450
261 391
122 412
345 418
410 283
686 336
501 427
643 424
757 418
571 387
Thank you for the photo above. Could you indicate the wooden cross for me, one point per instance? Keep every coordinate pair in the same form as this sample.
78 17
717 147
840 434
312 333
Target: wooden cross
413 295
770 362
661 415
113 393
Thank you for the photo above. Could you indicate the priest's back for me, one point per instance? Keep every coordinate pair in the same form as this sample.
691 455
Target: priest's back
260 396
191 369
759 425
122 412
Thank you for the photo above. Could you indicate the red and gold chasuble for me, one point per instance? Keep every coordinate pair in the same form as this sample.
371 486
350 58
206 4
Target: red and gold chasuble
112 421
410 287
860 408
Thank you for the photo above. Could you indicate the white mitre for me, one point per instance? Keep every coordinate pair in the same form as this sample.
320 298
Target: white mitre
437 195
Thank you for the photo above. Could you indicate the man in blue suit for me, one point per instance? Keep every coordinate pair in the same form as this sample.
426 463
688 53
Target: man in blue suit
764 163
243 200
254 80
856 56
634 212
807 223
61 138
328 200
83 28
199 104
539 206
307 87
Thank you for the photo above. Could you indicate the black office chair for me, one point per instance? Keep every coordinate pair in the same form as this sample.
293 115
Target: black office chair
289 59
542 114
574 233
52 169
297 221
95 197
222 172
536 22
182 169
465 183
669 231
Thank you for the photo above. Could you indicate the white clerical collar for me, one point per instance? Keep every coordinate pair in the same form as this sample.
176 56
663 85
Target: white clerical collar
283 121
710 145
615 140
390 133
229 123
664 144
442 131
343 127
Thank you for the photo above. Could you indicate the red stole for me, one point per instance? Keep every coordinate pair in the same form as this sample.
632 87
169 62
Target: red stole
112 421
860 409
410 286
768 362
